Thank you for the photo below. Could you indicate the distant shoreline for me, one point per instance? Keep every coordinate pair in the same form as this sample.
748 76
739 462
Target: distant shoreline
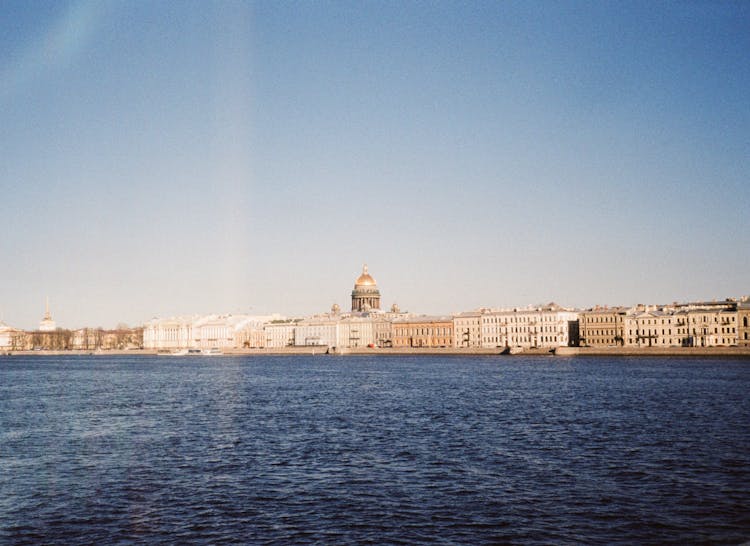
739 352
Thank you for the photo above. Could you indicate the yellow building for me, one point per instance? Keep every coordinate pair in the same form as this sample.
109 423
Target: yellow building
423 332
602 326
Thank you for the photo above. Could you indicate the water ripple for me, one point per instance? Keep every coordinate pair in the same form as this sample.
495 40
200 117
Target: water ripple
312 450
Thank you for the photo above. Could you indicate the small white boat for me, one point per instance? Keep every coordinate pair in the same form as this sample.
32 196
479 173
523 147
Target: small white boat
186 352
213 351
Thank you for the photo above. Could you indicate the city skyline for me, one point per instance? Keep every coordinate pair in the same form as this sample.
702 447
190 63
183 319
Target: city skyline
49 324
215 157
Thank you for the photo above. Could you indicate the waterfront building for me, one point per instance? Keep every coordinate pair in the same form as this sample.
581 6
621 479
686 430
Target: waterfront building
279 334
535 327
47 324
743 324
423 331
219 331
365 296
356 332
205 332
707 324
709 327
11 339
602 327
169 333
467 329
650 327
323 333
250 334
382 328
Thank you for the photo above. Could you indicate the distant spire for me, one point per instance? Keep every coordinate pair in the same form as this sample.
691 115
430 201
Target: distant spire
364 269
47 315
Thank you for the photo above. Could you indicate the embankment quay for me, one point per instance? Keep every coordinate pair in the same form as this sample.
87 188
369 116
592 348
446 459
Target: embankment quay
738 352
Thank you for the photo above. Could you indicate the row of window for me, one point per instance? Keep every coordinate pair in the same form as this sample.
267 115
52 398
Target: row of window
422 331
607 319
599 332
683 342
521 319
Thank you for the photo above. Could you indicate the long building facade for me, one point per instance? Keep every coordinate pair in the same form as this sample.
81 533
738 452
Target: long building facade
549 326
701 324
602 327
425 331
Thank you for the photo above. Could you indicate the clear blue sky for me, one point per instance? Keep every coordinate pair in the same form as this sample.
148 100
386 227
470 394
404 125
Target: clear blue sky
161 158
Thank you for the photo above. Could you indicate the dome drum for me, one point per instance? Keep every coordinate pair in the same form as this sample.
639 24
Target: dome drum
365 295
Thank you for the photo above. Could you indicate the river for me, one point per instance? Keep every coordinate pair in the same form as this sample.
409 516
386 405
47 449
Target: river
378 450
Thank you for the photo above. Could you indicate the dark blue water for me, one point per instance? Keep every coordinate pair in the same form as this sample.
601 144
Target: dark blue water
338 450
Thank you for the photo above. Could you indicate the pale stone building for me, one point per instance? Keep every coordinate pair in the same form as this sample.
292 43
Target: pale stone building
280 334
382 329
328 330
709 327
11 339
356 332
650 327
467 329
213 331
205 332
542 327
323 333
169 333
707 324
743 324
250 333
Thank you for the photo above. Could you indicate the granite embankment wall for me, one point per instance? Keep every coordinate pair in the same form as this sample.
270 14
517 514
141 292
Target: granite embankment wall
738 352
742 352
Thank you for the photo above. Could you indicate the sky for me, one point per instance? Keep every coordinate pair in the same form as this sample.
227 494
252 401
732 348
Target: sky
165 158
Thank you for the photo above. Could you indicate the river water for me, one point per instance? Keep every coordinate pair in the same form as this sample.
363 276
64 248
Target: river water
378 450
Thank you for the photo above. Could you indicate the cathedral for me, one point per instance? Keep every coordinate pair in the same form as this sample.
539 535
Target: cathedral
365 296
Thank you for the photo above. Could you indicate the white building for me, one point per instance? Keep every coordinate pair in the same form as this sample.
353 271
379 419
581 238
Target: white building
330 330
169 333
541 327
356 332
206 332
11 338
322 333
279 334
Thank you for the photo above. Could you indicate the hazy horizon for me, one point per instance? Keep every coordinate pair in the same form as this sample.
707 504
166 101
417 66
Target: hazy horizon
180 158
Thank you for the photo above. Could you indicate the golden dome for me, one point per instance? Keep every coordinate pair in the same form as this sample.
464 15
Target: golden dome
364 279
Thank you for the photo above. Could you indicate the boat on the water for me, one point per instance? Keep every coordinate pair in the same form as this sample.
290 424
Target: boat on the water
186 352
213 351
